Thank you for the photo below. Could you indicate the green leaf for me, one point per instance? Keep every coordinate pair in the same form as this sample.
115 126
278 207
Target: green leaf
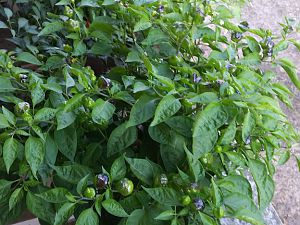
172 153
40 208
252 59
181 124
248 126
45 114
143 24
165 196
264 183
166 215
166 108
142 169
82 184
89 3
9 116
37 94
205 133
4 188
51 28
5 85
160 133
80 48
16 197
51 150
34 153
216 194
142 110
285 156
103 111
88 217
118 169
64 213
155 36
290 69
74 102
55 195
66 140
194 165
3 122
72 173
63 2
243 208
236 158
205 98
29 58
229 134
121 138
64 119
142 2
3 25
253 44
11 149
8 13
298 162
114 208
207 220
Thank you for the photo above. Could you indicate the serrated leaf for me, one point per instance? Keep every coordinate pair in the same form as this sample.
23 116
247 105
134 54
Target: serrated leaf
114 208
121 138
34 153
166 108
29 58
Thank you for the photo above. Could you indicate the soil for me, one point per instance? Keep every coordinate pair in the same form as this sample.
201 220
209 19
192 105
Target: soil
268 14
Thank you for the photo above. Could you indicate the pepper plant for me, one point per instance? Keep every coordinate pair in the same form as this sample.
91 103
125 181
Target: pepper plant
182 112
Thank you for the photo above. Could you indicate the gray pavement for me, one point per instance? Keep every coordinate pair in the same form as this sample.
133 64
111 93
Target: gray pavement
267 14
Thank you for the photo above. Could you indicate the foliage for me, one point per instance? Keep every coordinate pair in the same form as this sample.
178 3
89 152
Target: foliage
161 130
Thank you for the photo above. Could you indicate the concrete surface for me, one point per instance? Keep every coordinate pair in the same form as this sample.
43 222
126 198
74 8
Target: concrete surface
267 14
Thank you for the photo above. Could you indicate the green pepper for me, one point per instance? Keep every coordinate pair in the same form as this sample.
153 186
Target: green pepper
125 187
89 192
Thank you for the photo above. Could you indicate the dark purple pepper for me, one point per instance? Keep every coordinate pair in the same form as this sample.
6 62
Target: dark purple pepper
196 78
228 66
161 8
199 204
102 181
248 140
